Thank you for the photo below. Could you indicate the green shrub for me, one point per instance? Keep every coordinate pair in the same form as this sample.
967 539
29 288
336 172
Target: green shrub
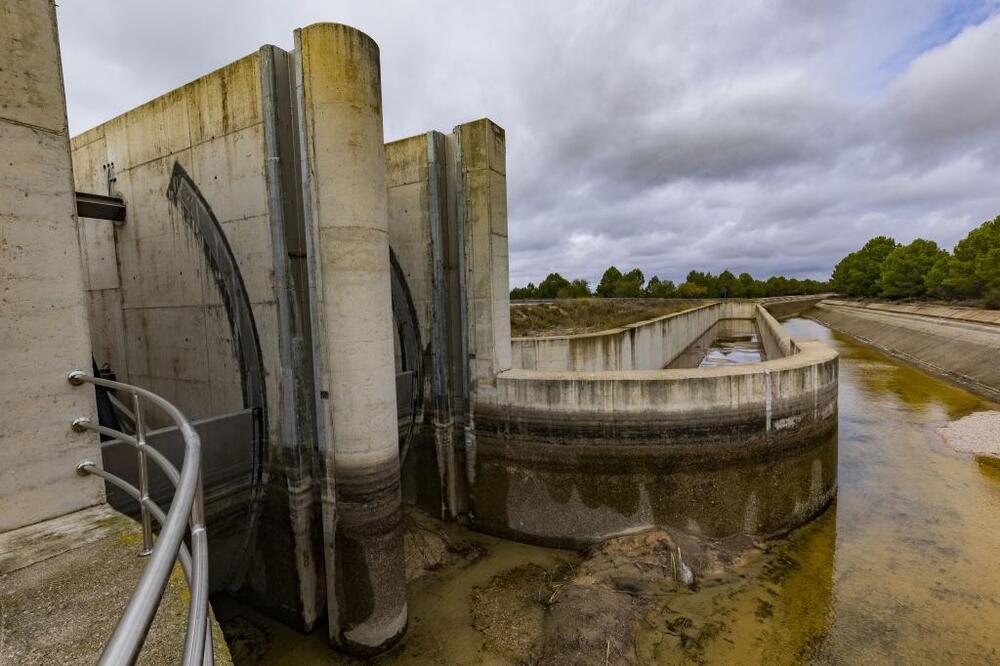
992 300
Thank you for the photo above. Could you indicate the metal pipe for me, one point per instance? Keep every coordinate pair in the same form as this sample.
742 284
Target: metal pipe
165 465
133 626
123 410
140 439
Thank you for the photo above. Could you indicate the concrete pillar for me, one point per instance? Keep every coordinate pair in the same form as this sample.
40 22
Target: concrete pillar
43 318
482 213
480 223
339 97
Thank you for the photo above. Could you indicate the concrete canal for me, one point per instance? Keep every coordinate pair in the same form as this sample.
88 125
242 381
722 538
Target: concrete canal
899 569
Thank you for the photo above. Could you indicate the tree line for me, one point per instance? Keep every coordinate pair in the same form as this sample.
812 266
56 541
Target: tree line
633 284
887 269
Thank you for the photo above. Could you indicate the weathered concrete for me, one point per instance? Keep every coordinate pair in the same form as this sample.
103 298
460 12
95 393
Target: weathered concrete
644 345
570 458
774 338
198 298
934 310
43 317
448 228
964 350
784 307
347 228
64 583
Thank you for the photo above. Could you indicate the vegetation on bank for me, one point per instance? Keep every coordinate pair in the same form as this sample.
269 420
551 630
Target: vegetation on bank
887 269
615 284
587 315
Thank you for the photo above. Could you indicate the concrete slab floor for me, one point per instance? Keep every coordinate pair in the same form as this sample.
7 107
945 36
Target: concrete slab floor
64 582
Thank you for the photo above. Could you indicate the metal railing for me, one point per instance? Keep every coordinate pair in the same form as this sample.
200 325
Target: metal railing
186 511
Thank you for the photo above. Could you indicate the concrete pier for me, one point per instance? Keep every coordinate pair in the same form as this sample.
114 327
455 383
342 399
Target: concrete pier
347 228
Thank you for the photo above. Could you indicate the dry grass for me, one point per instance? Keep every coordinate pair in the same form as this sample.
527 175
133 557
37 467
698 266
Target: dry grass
588 315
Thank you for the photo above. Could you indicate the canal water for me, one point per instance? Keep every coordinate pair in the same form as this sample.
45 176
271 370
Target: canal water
733 351
903 568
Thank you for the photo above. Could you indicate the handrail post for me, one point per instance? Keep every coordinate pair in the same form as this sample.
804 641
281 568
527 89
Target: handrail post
140 438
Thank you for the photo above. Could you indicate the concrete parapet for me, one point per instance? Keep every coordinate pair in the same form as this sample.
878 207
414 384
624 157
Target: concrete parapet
570 458
958 313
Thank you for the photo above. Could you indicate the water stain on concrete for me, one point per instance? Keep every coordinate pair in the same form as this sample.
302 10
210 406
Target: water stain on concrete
897 570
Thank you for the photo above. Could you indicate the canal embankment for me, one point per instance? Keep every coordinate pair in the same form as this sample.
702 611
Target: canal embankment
958 344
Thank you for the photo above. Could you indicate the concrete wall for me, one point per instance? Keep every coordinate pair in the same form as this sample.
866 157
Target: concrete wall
409 214
448 229
964 351
643 345
482 208
286 166
783 307
43 310
773 337
173 324
570 458
162 321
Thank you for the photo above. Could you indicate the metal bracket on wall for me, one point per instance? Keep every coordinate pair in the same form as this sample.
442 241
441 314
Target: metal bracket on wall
100 207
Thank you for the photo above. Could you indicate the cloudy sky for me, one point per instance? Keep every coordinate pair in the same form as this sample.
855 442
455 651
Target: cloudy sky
769 137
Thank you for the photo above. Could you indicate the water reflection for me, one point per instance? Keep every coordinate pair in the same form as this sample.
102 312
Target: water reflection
901 569
733 351
916 533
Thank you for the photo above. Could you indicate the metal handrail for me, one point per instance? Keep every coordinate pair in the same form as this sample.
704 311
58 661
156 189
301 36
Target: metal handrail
186 510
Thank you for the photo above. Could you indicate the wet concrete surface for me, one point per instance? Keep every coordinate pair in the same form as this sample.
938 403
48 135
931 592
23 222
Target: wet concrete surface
900 569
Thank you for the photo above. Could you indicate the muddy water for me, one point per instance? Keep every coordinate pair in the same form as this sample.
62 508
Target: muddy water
903 568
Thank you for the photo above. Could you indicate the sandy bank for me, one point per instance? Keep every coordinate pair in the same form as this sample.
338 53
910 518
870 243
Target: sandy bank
977 433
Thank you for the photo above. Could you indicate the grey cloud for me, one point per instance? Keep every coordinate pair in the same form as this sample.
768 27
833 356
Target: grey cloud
771 137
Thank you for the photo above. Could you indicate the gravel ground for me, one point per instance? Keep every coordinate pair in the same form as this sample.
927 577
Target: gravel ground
977 433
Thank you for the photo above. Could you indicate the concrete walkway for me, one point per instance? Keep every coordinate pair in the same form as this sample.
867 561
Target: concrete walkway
64 582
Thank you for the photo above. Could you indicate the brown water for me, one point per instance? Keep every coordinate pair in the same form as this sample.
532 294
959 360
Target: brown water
903 568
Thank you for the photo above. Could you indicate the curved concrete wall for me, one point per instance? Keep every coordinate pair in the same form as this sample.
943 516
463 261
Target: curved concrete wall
644 345
569 458
773 337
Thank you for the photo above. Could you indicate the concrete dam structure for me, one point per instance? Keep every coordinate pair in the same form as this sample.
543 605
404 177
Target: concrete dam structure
332 314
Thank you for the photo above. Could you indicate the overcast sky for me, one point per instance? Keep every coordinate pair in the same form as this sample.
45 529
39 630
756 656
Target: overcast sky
769 137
